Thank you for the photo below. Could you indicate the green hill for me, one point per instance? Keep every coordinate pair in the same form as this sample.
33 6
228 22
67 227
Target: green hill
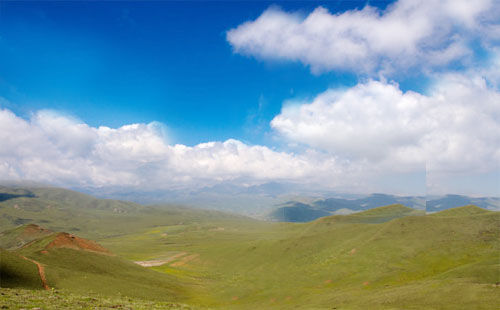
391 257
390 210
344 262
299 212
462 211
19 236
65 210
82 266
17 272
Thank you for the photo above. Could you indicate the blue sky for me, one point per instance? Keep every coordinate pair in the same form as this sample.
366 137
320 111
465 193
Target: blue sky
119 63
349 96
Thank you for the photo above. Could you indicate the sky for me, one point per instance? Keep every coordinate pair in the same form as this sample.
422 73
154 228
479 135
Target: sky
401 97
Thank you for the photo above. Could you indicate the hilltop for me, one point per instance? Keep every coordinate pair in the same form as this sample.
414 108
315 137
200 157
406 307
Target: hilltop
468 210
299 211
73 212
436 204
19 236
294 211
64 261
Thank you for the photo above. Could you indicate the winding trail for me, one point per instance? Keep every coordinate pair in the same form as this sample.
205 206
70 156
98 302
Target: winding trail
41 271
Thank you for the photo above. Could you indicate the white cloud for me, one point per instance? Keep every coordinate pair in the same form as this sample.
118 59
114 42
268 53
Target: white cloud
453 129
408 34
353 139
347 139
54 148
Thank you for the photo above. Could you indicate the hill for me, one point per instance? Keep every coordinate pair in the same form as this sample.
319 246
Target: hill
469 210
65 210
436 204
297 212
391 257
294 211
390 211
17 272
19 236
78 265
383 258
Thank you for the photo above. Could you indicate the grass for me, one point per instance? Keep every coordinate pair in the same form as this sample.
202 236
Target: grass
17 272
413 262
61 299
89 217
385 258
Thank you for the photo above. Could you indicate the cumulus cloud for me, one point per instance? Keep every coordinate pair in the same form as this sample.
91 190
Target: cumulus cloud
352 137
408 34
453 129
50 147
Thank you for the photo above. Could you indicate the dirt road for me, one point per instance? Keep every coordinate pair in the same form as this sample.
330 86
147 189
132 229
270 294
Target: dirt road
41 272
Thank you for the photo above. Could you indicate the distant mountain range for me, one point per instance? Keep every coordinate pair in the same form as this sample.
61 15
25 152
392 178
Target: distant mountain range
273 200
299 211
451 201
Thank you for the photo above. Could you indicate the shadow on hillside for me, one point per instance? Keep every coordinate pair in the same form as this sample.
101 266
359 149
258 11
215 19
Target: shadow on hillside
6 196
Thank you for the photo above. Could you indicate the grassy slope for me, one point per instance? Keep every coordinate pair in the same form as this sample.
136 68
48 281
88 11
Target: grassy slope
462 211
348 262
55 300
81 271
19 236
16 272
86 216
382 259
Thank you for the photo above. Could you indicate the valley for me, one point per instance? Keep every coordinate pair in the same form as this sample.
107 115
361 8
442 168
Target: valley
171 257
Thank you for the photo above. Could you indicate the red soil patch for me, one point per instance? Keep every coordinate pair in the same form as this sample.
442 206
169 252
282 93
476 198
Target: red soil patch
65 240
235 298
33 230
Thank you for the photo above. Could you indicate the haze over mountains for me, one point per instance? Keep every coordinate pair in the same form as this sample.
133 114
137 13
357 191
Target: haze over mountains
274 201
290 202
295 211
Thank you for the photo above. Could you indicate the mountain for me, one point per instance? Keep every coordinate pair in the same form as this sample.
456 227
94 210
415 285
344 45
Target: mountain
381 258
66 210
388 257
297 212
436 204
469 210
294 211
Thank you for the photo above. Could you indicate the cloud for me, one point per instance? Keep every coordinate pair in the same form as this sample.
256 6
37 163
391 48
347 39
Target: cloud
408 34
50 147
453 129
346 139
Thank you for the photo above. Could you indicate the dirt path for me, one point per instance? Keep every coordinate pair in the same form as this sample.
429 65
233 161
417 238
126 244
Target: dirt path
41 272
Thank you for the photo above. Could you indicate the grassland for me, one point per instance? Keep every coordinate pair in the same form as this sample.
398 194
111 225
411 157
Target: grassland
345 262
386 258
65 210
60 299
